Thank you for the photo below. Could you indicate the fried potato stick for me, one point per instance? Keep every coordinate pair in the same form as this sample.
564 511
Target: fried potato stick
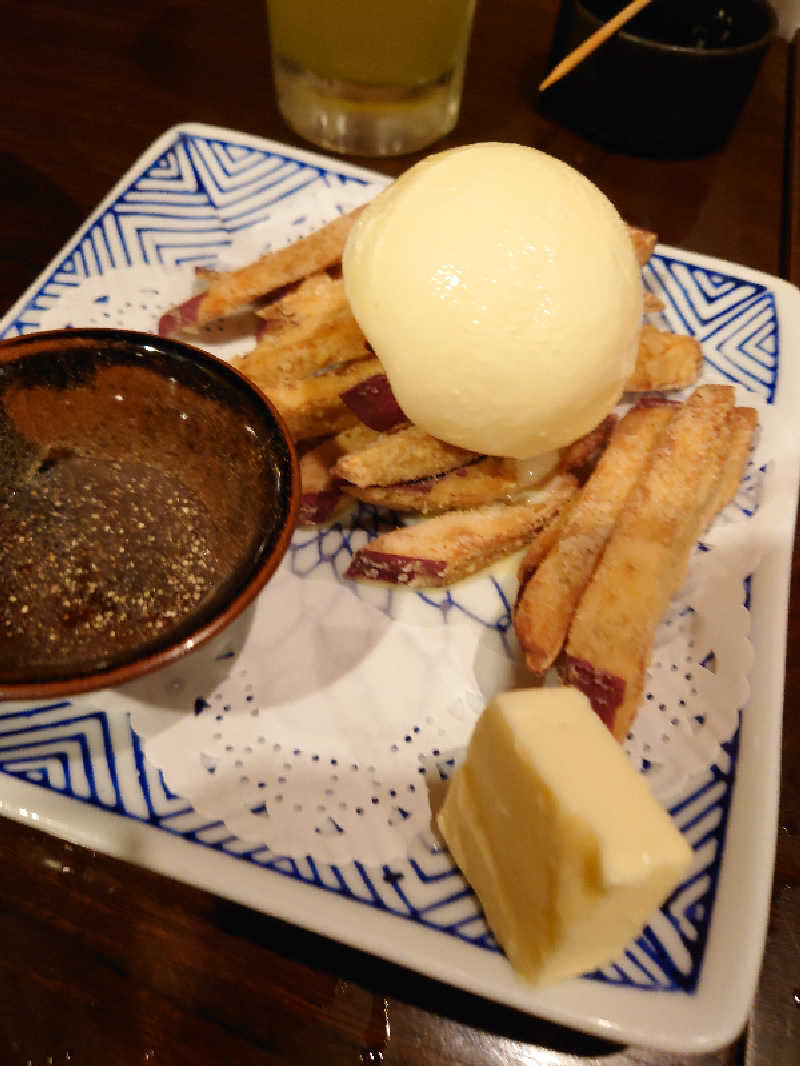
644 243
237 289
665 361
304 346
312 407
646 558
547 602
452 546
320 492
315 296
483 481
580 457
473 483
408 454
742 424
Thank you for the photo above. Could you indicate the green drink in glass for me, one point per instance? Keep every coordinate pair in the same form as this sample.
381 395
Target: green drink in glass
370 77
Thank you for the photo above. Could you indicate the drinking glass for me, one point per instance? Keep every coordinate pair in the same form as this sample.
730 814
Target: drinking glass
370 77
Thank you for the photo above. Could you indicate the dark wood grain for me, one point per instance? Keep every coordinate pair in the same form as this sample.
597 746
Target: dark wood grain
791 245
106 964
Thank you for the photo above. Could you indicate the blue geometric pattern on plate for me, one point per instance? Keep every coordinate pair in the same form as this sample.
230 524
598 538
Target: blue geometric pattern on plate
735 320
95 758
185 207
331 548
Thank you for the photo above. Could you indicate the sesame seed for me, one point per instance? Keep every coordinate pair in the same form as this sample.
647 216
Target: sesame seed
124 559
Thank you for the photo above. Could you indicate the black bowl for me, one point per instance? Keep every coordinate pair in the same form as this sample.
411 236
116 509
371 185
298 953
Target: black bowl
147 493
665 86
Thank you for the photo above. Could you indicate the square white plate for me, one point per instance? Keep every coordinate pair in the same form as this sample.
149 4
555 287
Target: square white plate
76 768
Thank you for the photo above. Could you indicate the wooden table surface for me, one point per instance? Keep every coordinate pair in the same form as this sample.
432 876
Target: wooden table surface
106 964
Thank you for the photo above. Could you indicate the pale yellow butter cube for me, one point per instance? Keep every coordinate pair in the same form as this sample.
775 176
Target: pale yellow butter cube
561 839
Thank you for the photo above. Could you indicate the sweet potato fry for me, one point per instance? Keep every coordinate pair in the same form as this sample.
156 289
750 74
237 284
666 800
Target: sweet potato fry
540 547
742 423
321 494
407 455
644 243
579 457
375 404
302 337
355 439
312 407
419 472
547 601
665 361
229 292
484 481
645 558
452 546
315 296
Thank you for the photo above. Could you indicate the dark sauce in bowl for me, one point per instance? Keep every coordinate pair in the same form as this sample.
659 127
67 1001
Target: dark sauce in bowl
99 556
702 24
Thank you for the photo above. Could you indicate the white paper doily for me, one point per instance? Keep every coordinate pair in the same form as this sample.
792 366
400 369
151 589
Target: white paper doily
317 736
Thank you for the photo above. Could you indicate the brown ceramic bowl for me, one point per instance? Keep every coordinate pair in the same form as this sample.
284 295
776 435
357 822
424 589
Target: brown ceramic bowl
147 493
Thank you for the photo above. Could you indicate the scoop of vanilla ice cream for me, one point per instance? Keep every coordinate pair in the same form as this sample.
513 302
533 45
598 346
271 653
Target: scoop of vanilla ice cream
501 292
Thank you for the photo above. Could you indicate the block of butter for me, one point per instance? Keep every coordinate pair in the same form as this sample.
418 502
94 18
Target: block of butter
568 851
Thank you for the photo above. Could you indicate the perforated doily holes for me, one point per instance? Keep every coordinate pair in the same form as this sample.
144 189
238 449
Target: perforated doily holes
316 741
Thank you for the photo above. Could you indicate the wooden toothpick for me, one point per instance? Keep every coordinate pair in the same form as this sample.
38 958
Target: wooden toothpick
586 47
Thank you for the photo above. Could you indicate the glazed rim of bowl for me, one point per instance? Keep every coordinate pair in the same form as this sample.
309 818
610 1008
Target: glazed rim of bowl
289 492
684 49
